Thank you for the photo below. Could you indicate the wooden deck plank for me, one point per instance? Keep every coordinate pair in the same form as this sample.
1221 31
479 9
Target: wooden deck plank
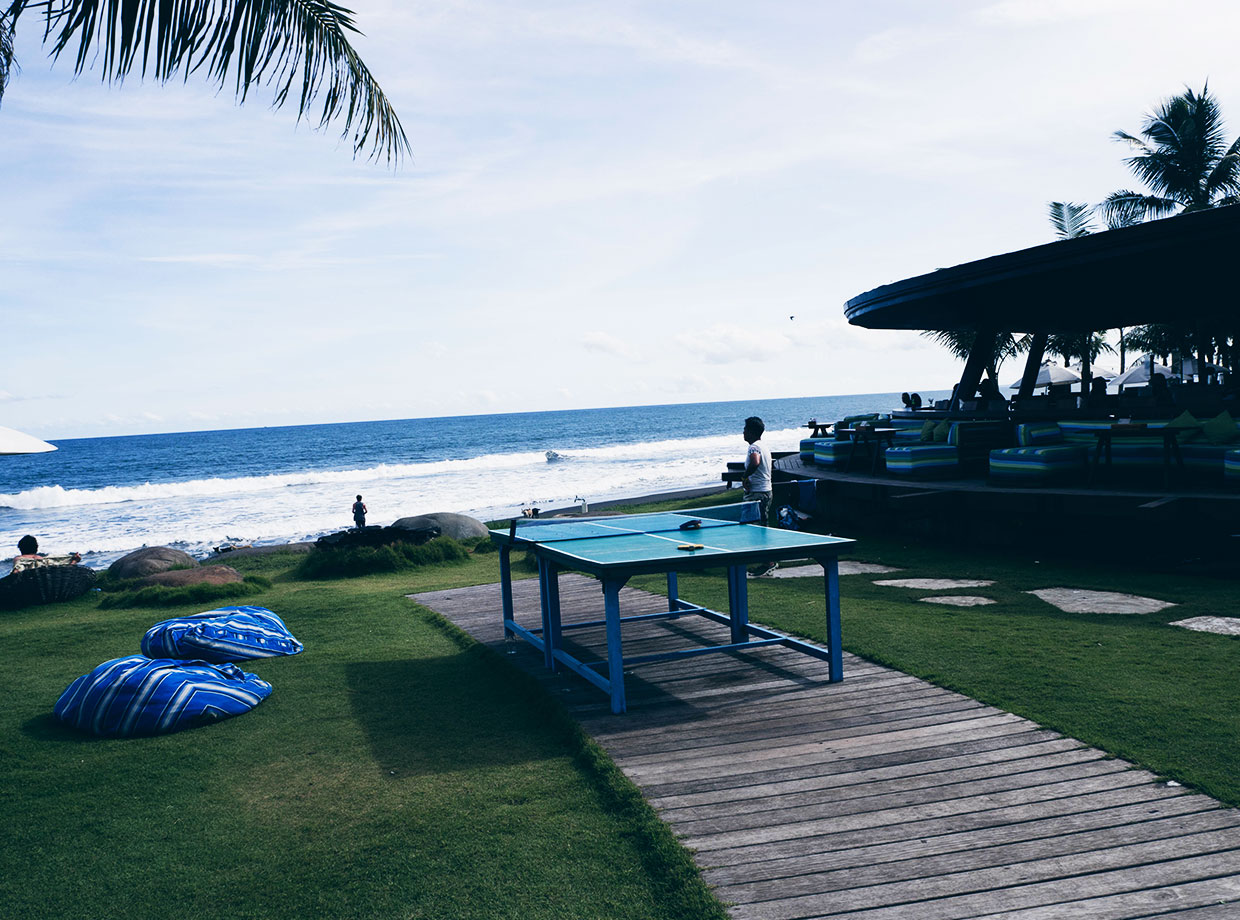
877 798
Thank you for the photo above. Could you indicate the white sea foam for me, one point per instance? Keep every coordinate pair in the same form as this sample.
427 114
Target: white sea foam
198 514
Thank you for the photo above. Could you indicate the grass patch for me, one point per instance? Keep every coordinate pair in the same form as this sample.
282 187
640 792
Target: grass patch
397 770
349 562
165 596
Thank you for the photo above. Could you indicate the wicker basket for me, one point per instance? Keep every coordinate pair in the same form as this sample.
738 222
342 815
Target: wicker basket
45 585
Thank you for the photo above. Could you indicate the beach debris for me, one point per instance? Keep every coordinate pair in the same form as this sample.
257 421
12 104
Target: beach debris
935 584
1081 600
1224 626
958 600
150 560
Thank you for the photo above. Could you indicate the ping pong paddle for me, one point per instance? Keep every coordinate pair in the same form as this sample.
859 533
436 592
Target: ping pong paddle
691 546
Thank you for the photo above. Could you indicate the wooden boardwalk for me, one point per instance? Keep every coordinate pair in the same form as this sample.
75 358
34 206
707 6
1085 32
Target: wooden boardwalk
881 797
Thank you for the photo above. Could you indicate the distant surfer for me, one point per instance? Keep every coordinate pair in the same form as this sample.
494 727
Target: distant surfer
359 513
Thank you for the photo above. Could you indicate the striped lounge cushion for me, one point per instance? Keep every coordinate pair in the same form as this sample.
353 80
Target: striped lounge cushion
223 634
922 461
1231 468
1039 434
133 696
1036 464
832 453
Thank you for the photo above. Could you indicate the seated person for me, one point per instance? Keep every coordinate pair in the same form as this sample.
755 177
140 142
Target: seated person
906 400
915 401
1097 393
30 558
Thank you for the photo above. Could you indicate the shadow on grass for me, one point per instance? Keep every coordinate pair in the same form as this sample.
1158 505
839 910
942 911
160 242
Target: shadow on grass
443 714
47 727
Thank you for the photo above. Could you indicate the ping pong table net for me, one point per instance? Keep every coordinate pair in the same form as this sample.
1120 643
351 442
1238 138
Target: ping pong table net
556 530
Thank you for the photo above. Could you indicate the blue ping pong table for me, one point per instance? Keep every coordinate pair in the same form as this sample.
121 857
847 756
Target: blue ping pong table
616 548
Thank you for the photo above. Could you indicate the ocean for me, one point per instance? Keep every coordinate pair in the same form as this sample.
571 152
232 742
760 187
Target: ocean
104 497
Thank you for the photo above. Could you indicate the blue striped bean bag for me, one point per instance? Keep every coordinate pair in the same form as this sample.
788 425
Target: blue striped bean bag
224 634
132 696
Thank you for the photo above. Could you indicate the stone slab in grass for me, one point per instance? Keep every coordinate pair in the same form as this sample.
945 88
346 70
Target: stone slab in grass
1079 600
958 600
1224 626
846 568
935 584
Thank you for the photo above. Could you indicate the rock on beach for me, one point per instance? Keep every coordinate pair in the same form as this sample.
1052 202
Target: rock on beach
455 526
204 574
149 560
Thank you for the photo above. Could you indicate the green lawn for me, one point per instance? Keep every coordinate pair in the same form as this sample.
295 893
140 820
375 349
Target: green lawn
398 770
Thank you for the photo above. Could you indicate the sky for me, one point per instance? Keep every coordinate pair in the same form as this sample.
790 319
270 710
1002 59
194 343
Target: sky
608 203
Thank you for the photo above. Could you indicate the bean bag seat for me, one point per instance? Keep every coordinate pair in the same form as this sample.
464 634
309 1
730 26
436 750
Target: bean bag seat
223 634
128 697
44 584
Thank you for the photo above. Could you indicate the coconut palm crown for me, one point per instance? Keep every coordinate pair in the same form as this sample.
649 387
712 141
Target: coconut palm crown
300 48
1182 155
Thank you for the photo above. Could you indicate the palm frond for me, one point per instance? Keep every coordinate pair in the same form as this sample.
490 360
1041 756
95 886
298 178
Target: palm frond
6 51
1071 219
298 47
1126 208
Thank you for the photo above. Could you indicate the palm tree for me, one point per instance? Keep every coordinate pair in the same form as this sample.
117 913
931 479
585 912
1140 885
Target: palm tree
298 47
960 343
1182 155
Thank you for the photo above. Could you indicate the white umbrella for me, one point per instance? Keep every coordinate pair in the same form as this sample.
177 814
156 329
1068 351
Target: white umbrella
1104 372
1139 373
1051 373
14 442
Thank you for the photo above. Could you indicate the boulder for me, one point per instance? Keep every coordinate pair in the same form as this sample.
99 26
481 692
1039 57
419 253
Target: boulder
203 574
148 561
376 536
456 526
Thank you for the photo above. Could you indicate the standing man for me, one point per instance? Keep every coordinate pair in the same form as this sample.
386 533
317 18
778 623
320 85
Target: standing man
359 513
757 481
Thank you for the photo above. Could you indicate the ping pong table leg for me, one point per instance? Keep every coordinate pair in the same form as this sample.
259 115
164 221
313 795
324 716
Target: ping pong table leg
549 597
505 588
615 653
738 603
831 578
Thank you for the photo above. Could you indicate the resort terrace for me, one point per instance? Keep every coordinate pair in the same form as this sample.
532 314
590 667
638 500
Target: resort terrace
1062 464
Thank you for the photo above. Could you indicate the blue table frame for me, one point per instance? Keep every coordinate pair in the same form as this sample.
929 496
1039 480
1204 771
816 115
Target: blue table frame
751 543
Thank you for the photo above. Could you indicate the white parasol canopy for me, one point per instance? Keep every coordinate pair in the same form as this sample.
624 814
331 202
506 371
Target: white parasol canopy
1104 372
1051 373
14 442
1139 373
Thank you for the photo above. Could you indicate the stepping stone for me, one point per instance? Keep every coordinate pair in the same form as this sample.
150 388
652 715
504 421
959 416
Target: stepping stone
958 600
846 568
1079 600
935 584
1224 626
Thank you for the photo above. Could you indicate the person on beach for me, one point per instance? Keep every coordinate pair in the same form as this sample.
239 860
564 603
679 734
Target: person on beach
359 513
757 479
29 556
